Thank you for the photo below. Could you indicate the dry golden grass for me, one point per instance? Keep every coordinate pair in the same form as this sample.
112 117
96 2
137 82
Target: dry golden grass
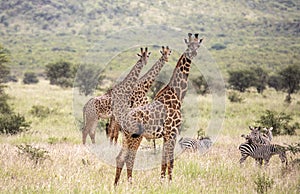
73 168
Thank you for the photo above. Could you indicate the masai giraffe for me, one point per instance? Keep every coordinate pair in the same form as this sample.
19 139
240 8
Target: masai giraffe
161 118
100 106
96 108
138 96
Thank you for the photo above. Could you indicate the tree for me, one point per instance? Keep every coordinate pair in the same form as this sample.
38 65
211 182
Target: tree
61 73
30 78
241 79
10 123
279 121
275 81
261 79
4 70
290 80
200 85
87 79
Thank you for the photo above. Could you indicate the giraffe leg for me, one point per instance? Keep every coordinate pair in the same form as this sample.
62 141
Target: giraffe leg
170 157
133 147
84 134
116 133
113 131
92 131
120 161
89 128
163 162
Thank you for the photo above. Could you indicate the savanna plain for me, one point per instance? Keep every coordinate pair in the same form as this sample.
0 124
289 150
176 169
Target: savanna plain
72 168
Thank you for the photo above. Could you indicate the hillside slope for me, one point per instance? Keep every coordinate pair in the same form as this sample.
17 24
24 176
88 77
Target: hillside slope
251 32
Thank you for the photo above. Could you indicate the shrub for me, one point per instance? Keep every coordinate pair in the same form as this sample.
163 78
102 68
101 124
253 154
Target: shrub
279 121
55 140
38 155
260 79
218 46
4 106
291 80
235 97
13 124
40 111
200 85
61 73
241 79
275 82
263 183
30 78
87 79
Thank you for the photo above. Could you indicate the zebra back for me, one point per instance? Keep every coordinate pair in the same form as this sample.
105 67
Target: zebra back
261 151
194 145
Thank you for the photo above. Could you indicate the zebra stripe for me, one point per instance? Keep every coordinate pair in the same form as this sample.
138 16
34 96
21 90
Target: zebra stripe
261 152
194 145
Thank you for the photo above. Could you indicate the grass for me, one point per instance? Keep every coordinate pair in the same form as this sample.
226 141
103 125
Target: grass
73 168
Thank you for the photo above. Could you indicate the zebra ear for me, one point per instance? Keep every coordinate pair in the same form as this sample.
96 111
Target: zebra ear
271 128
251 128
258 128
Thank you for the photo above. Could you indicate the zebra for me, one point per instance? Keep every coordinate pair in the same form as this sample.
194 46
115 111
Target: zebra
193 145
261 152
259 137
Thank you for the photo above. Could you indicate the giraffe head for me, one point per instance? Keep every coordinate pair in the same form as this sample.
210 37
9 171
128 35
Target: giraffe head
144 55
165 52
193 44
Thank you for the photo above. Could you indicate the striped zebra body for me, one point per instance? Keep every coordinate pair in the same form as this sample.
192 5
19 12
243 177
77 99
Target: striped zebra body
261 152
193 145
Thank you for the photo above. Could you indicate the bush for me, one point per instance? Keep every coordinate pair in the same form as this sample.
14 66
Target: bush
218 46
4 106
241 79
275 82
61 73
260 79
38 155
200 85
279 121
235 97
13 124
263 183
87 79
30 78
40 111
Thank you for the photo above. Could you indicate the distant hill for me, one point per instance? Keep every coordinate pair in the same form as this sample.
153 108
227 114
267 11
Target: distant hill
238 33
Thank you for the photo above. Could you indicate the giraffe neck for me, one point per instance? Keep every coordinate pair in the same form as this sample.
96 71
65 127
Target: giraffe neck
179 79
147 80
121 92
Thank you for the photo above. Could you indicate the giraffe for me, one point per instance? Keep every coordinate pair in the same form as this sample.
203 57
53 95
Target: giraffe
96 108
138 96
100 106
159 119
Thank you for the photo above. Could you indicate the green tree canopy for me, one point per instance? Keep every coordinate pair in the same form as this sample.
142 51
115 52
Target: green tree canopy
61 73
290 79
